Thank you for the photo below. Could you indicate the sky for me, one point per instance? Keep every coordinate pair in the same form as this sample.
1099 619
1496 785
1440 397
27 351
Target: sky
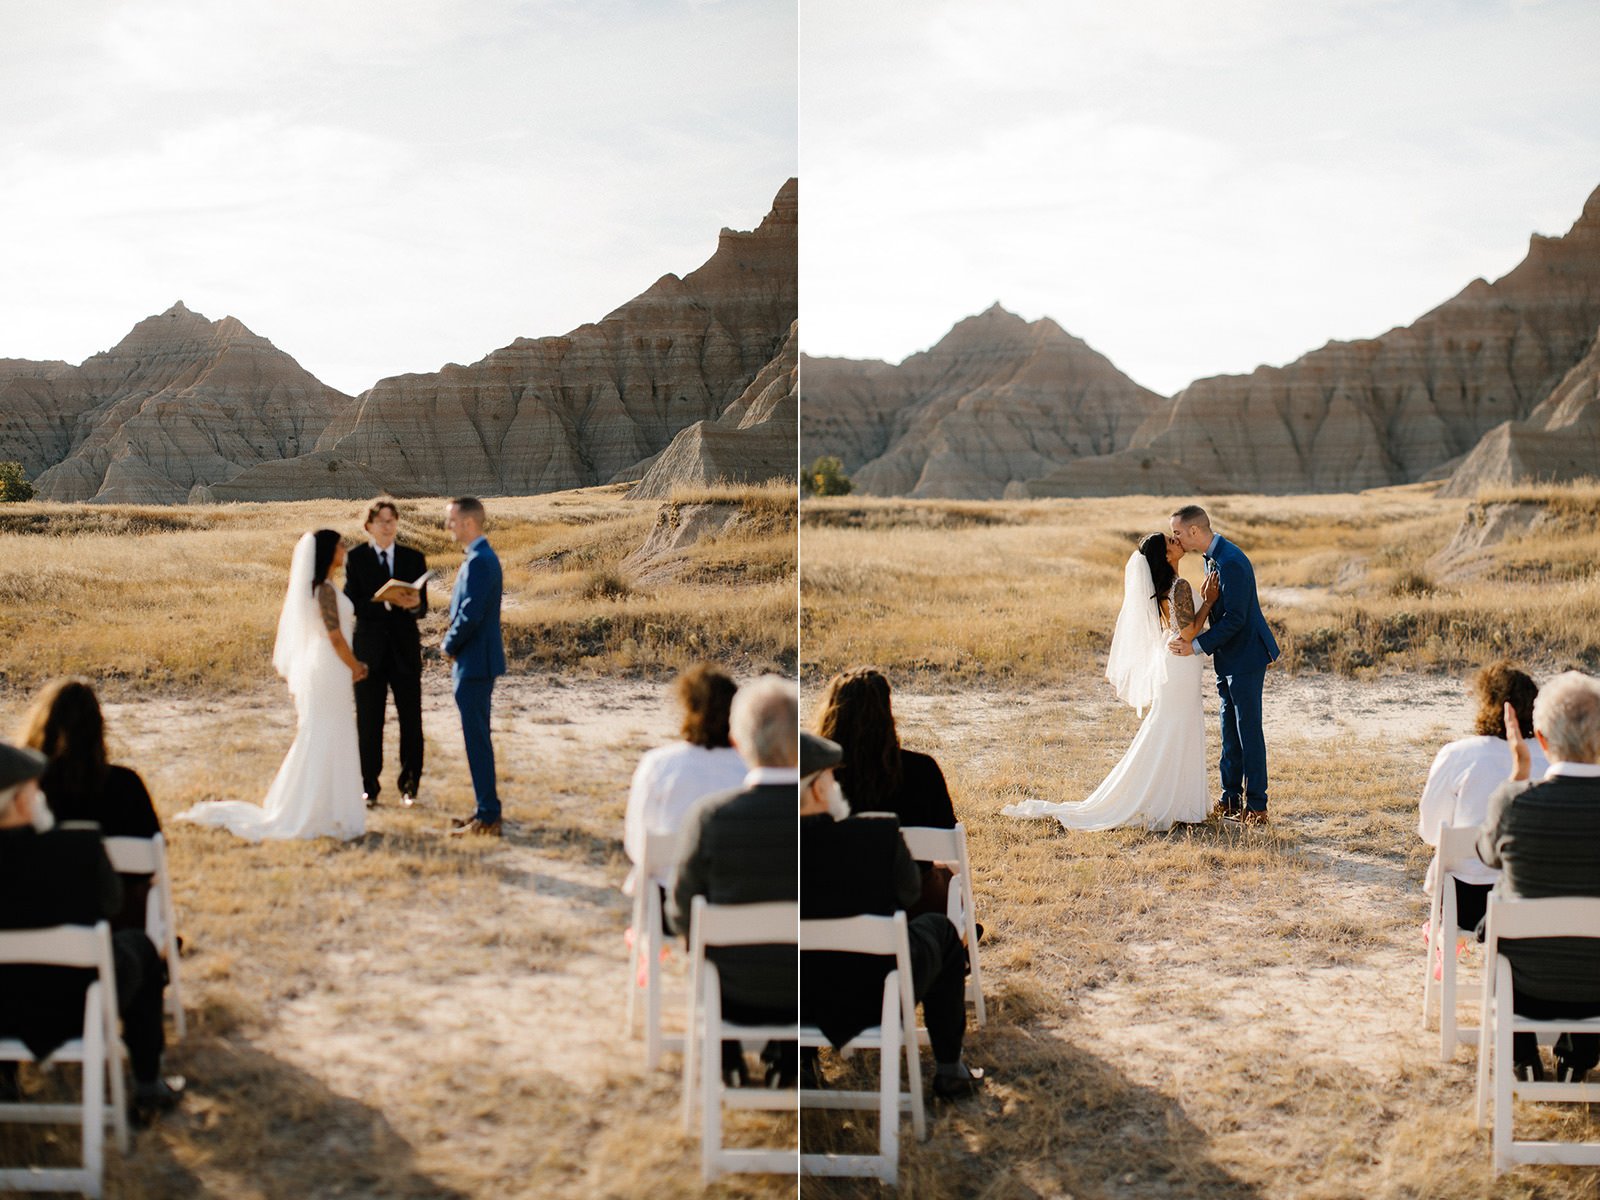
1194 187
378 186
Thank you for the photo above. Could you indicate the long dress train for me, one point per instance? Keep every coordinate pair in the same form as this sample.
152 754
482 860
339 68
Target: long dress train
1161 780
317 791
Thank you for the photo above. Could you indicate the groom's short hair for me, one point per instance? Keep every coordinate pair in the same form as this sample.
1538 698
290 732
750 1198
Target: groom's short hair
1192 514
469 506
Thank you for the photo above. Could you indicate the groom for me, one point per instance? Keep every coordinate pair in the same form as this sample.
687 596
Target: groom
477 656
1241 646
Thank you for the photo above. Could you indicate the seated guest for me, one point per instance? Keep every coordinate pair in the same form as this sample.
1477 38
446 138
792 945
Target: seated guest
1466 772
1545 838
740 847
64 724
854 865
51 876
878 775
669 779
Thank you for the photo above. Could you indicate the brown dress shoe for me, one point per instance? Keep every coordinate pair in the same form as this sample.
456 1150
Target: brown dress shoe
1253 816
487 828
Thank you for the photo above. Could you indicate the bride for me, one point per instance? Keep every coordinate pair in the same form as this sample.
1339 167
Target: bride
1162 777
317 792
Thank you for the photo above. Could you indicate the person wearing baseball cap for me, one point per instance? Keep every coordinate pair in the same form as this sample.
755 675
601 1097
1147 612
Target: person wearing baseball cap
854 865
61 876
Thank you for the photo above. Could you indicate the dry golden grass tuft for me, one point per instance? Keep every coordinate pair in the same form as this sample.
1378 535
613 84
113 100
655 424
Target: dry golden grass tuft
1023 592
188 597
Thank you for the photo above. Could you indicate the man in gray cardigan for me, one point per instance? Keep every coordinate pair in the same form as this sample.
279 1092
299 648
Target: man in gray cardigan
1545 838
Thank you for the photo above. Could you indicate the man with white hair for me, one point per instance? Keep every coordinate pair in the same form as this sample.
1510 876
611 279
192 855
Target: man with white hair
61 876
1545 838
742 847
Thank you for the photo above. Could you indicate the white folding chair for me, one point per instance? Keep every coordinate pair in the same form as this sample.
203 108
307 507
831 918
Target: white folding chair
1458 846
712 925
644 958
1562 916
895 1033
148 856
950 846
99 1050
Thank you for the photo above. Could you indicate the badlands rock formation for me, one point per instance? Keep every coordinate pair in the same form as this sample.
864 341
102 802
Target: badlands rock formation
181 401
998 400
1392 409
548 413
756 439
1559 441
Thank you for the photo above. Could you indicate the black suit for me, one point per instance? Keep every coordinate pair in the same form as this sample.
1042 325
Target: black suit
861 866
64 878
1545 838
387 640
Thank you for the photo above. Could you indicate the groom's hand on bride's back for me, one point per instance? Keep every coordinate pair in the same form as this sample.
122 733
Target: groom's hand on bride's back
1179 646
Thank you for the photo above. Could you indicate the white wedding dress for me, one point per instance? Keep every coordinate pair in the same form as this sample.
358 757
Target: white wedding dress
317 792
1161 780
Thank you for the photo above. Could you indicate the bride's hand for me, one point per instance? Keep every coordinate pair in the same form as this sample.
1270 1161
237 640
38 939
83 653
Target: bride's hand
1210 589
358 672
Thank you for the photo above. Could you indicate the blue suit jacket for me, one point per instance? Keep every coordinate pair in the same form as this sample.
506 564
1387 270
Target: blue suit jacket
473 638
1239 640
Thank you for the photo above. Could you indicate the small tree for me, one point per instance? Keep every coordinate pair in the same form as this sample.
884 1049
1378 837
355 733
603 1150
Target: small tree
827 478
14 484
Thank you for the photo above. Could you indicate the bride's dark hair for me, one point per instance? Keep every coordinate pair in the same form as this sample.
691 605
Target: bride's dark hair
1154 549
327 543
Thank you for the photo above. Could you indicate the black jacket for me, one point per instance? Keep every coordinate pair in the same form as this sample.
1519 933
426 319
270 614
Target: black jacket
1545 838
850 868
922 799
385 636
741 848
58 878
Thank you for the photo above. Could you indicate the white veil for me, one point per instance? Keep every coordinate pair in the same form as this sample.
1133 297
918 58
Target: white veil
300 625
1137 666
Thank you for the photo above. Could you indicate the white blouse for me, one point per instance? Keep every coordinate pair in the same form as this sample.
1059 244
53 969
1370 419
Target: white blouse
1465 773
666 784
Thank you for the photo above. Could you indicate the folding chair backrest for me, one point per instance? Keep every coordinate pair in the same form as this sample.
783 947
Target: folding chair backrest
134 855
865 934
773 923
57 946
1549 917
1458 847
928 844
660 855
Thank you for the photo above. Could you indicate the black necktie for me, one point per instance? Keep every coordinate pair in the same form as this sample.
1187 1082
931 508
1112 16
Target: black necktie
383 557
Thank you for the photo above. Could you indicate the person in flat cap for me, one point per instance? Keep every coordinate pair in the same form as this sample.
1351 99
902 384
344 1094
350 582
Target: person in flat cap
858 864
740 847
61 876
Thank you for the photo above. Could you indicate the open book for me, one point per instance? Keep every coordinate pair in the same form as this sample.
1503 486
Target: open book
399 589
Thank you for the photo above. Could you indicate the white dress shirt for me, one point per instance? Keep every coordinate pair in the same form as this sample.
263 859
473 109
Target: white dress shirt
1464 775
666 784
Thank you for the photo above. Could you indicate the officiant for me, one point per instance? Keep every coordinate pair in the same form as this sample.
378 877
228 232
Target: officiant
386 639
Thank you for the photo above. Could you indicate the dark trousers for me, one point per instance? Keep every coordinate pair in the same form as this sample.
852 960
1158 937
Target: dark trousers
372 699
1581 1051
473 696
783 1055
141 980
1244 746
938 981
1472 901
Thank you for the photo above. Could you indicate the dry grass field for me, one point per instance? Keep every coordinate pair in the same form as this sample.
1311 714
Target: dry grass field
403 1016
1209 1012
1026 592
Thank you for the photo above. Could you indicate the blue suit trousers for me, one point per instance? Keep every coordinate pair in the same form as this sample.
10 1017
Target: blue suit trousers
1244 747
473 694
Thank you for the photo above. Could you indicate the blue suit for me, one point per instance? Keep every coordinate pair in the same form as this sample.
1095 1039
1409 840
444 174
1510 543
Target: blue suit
1240 645
474 642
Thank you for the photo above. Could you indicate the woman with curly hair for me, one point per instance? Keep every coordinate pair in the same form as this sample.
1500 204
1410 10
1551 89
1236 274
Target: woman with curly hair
1467 771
